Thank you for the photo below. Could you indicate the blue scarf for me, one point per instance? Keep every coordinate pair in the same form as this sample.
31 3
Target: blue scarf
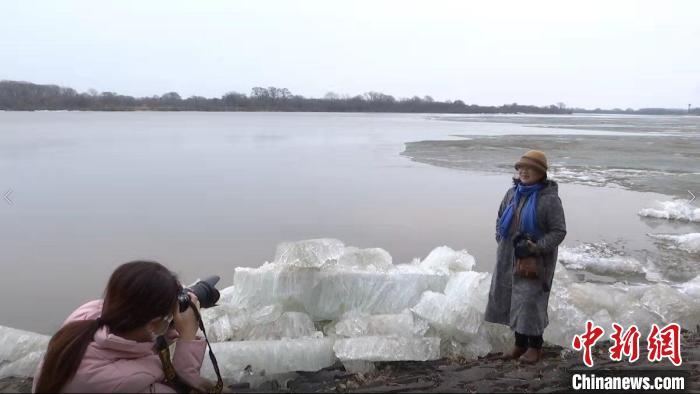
528 215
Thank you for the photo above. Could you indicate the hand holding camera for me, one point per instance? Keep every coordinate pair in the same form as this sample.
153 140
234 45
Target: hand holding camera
186 323
524 246
526 252
186 316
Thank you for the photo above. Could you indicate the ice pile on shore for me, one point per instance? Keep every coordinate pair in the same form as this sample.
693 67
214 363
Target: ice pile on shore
324 279
673 210
372 310
572 303
367 307
320 302
688 242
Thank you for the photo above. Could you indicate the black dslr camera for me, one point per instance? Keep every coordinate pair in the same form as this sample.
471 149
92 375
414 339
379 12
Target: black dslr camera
520 247
205 291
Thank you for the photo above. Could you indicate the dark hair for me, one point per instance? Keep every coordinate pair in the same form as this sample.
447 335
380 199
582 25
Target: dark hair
137 292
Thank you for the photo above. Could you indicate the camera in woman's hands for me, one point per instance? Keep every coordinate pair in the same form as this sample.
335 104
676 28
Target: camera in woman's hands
205 291
521 246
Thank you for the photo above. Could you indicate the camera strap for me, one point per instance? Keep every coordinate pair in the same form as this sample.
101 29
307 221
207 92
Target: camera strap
171 375
219 382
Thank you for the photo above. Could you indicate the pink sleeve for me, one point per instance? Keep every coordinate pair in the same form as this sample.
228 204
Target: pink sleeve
187 361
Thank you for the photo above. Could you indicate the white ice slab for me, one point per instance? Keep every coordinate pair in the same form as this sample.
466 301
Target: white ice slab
274 357
327 294
20 351
387 348
356 324
227 322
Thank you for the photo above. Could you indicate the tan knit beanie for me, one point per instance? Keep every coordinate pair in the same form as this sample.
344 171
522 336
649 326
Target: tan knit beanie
533 158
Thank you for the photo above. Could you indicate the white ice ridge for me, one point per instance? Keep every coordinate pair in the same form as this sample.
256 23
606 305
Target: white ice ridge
325 279
320 302
674 210
689 242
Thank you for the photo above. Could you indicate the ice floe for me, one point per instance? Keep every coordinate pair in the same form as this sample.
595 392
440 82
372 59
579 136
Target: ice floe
601 259
673 210
689 242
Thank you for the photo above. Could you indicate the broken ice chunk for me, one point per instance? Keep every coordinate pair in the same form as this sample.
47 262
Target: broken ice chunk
325 294
225 295
19 343
274 357
356 324
691 288
447 261
373 259
672 305
227 322
308 253
387 348
571 304
471 288
224 322
24 367
448 316
20 351
287 325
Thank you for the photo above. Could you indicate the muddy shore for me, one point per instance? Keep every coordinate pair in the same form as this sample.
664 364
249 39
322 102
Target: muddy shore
640 163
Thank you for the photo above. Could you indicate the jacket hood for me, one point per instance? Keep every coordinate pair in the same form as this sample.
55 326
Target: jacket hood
551 187
116 347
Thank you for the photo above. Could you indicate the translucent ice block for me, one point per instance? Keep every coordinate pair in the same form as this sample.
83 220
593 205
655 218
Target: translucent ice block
387 348
274 357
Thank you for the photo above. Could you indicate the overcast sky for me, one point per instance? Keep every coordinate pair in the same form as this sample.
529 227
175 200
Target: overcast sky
584 53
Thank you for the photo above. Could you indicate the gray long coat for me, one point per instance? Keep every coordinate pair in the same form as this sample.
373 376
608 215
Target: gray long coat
519 302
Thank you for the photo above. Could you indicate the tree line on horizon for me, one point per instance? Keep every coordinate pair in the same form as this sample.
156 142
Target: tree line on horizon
27 96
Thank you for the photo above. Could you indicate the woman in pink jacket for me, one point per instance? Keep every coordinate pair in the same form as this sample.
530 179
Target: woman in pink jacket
108 346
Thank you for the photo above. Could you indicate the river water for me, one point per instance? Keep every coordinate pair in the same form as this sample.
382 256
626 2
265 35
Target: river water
205 192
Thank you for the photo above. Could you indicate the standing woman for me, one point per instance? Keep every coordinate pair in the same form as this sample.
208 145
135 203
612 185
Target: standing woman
529 229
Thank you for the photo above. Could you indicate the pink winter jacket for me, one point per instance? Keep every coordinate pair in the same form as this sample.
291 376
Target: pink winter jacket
114 364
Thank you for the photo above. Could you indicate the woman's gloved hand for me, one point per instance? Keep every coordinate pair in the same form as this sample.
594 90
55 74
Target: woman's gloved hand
532 247
186 323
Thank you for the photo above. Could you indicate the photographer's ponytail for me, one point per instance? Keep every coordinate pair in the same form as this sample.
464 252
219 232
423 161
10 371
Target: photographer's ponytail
64 354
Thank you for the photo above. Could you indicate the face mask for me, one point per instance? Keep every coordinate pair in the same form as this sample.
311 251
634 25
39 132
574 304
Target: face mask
167 320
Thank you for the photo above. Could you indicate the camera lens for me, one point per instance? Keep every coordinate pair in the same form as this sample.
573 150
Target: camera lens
205 291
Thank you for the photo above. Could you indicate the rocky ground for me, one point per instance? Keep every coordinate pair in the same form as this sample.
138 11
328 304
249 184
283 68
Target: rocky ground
488 374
